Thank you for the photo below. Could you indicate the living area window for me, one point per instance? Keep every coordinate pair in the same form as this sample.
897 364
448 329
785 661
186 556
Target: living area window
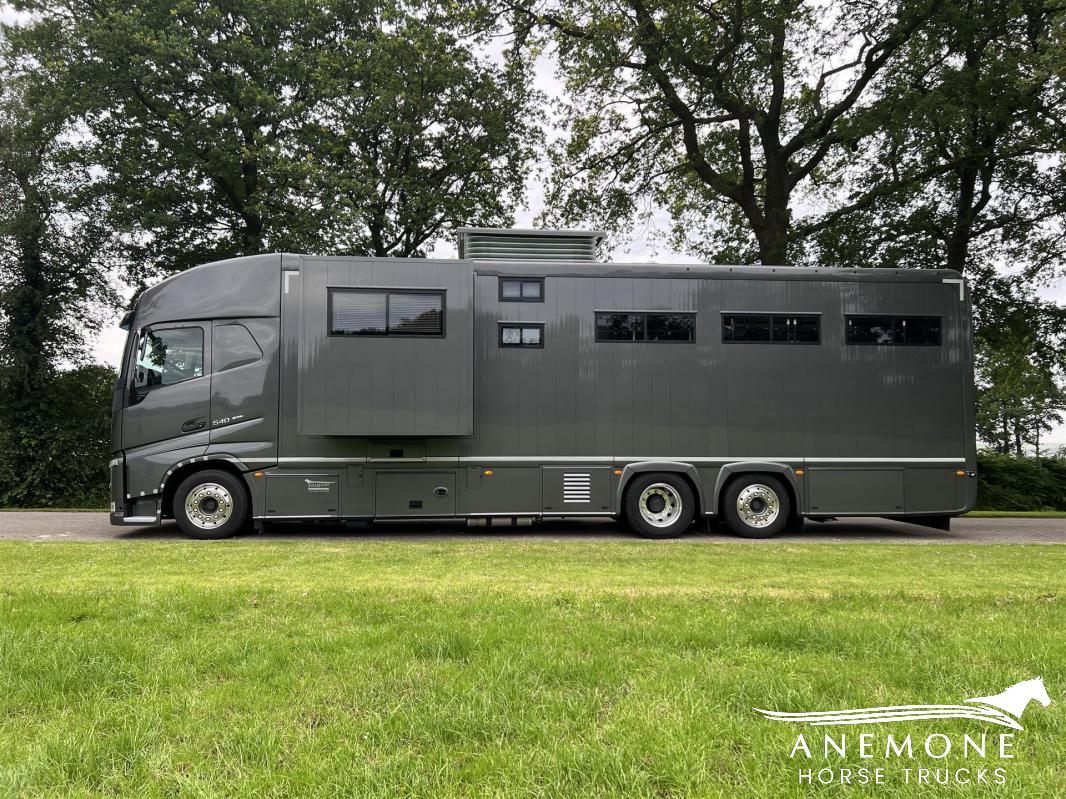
386 312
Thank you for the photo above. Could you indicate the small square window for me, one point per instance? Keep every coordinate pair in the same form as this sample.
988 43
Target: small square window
522 289
527 335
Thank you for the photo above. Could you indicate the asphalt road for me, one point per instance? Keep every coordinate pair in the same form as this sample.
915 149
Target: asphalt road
59 526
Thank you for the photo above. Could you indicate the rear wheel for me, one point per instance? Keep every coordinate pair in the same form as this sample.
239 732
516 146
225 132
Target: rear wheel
659 505
756 506
211 504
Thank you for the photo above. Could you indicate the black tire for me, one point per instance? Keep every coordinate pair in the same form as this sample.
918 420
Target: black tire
669 489
215 485
764 491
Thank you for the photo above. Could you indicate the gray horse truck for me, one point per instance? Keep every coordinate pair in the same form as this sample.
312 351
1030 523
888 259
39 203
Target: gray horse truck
527 380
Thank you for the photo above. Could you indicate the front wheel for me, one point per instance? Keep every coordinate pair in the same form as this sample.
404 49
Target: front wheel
756 506
211 504
659 505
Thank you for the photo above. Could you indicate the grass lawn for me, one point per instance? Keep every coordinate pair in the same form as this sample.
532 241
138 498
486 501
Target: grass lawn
585 669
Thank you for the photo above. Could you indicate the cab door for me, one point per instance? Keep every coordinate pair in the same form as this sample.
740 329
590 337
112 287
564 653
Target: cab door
169 386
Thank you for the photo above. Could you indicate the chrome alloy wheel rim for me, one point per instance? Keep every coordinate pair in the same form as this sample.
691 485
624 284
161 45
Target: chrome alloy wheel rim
758 505
660 505
208 506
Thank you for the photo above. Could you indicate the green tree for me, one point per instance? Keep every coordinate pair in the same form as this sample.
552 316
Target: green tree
965 163
723 113
53 285
232 128
1020 354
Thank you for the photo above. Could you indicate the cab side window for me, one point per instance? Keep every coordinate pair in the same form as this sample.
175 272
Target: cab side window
233 346
166 357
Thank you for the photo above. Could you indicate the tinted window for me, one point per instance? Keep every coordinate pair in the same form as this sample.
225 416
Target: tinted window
898 330
234 346
806 330
358 313
619 327
521 335
522 289
644 326
671 327
416 314
918 330
870 330
170 356
751 328
386 313
772 328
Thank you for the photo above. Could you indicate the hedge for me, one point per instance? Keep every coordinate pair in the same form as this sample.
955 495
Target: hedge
1008 483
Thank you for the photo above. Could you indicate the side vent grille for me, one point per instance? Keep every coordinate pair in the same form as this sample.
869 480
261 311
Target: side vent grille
492 244
577 487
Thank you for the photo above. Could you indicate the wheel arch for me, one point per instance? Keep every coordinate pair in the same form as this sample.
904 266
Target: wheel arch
685 470
179 471
733 470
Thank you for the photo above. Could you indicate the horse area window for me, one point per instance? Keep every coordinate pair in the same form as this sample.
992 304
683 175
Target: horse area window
920 331
785 328
645 326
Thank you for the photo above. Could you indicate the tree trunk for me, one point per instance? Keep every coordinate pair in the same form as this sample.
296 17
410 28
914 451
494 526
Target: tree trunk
957 245
773 233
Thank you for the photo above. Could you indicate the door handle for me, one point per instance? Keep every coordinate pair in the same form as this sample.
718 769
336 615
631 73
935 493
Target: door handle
192 425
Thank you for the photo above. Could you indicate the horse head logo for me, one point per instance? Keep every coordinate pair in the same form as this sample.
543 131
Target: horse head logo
1015 699
1004 709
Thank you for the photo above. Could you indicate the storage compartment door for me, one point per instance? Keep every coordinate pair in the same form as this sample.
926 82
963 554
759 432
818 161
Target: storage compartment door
303 494
414 493
855 491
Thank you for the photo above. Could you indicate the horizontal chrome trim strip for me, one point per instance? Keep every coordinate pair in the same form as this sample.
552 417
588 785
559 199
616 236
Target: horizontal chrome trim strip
604 513
577 460
300 474
303 516
139 519
885 460
312 459
501 515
